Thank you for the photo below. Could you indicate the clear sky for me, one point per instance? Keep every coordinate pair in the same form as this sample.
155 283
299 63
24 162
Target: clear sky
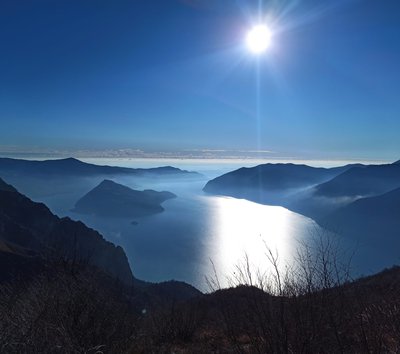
175 75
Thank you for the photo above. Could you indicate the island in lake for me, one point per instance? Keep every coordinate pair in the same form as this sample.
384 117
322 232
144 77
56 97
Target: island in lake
110 199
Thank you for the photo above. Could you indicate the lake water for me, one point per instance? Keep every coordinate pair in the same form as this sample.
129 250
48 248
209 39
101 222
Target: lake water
197 233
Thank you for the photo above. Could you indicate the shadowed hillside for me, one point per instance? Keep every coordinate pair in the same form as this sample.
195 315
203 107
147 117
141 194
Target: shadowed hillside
6 187
376 218
32 226
362 181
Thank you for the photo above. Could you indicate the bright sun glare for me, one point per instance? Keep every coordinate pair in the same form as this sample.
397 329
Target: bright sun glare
259 39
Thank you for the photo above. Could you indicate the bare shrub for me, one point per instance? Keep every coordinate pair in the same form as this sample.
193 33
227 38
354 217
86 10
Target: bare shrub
311 305
65 312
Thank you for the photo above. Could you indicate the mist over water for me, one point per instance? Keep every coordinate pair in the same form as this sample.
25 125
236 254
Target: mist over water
198 231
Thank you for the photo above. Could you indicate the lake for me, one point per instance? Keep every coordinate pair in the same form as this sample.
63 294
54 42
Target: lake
199 234
196 230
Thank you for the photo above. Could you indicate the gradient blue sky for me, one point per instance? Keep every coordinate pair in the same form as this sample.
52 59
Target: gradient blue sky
173 75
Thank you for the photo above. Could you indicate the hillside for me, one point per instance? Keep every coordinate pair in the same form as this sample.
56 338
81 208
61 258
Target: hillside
373 218
32 226
362 181
80 309
6 187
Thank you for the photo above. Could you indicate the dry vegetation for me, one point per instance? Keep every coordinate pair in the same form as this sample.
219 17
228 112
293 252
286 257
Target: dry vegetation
310 307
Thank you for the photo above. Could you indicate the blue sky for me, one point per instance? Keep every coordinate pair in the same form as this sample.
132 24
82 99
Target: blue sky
173 75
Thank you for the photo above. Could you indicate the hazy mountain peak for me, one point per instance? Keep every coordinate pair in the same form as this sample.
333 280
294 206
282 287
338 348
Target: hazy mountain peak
111 184
69 159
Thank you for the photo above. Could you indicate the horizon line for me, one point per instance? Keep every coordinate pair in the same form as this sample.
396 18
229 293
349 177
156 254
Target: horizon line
188 157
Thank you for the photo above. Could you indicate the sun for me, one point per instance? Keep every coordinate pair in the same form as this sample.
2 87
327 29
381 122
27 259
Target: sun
258 39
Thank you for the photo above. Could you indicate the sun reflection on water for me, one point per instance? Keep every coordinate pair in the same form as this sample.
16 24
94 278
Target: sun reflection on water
240 227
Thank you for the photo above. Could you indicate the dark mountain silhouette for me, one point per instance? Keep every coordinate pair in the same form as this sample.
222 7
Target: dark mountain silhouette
374 218
34 242
16 261
396 163
77 168
6 187
31 227
268 183
362 181
111 199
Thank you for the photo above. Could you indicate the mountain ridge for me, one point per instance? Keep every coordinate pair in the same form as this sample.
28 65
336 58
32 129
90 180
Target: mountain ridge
269 182
74 167
6 187
366 181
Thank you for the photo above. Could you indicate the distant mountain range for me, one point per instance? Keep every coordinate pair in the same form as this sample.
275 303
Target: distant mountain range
68 179
74 167
353 199
111 199
270 182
